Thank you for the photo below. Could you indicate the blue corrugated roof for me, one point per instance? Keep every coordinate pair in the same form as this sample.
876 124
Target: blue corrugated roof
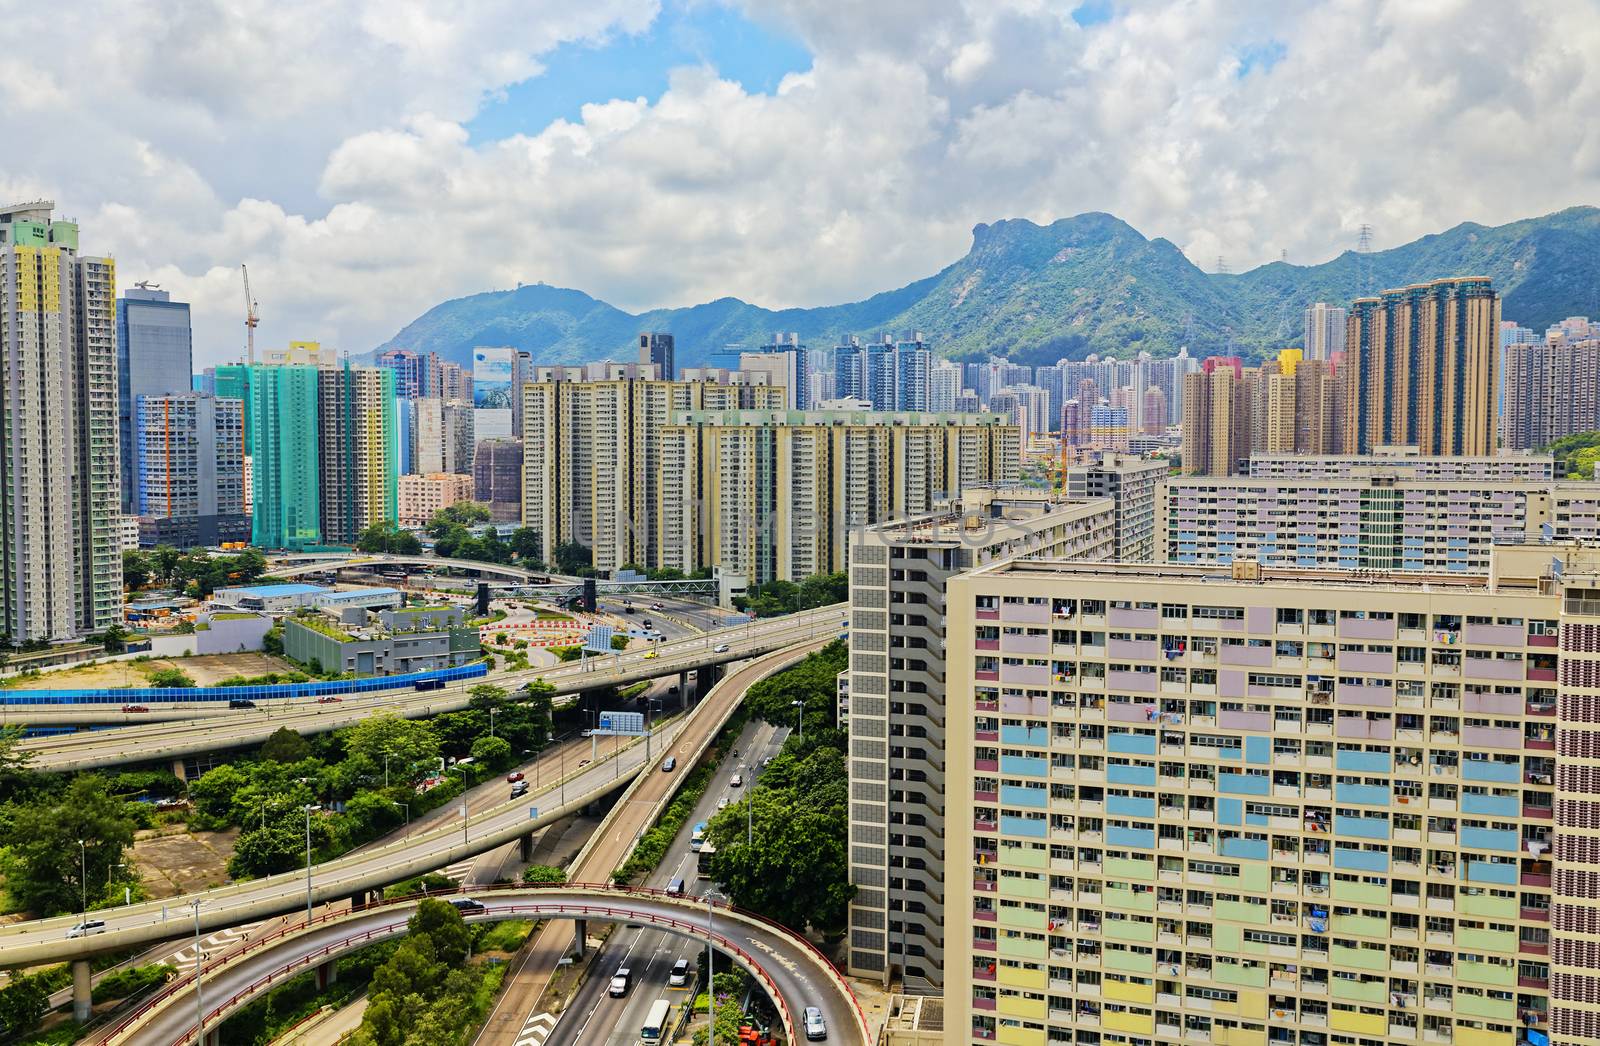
269 591
360 593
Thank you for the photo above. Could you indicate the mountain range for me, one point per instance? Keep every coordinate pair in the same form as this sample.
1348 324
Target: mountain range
1034 294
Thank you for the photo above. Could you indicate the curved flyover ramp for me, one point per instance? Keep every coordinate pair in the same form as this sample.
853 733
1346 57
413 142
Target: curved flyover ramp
787 966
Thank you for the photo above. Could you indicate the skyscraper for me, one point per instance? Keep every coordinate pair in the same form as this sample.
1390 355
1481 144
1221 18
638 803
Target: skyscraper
497 476
1421 368
60 542
360 459
1324 331
1231 412
155 357
849 371
658 349
410 371
324 450
1552 388
944 385
189 470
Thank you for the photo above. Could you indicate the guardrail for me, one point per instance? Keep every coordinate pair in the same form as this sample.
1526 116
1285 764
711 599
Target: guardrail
566 910
273 691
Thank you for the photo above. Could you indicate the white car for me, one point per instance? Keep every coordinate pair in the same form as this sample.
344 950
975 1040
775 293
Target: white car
722 804
816 1027
738 779
87 927
720 648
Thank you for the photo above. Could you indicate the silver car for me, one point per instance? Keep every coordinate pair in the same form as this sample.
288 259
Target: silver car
816 1027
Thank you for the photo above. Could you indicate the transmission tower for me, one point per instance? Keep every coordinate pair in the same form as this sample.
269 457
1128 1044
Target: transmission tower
1364 248
1222 265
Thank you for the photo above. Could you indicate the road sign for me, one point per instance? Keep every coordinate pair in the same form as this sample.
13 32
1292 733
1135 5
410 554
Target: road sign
533 813
629 724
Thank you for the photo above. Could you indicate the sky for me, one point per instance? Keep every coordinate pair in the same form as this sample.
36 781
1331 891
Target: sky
370 158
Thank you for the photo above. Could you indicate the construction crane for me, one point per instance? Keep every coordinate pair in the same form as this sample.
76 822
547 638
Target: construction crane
252 316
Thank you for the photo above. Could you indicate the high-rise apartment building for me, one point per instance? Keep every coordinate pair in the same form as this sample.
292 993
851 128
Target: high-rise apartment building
497 478
898 721
1552 387
455 383
1133 485
658 349
1421 368
411 371
1324 331
155 357
944 386
60 542
1376 520
442 435
323 449
188 476
591 452
1233 412
360 458
420 497
1406 464
1255 806
775 494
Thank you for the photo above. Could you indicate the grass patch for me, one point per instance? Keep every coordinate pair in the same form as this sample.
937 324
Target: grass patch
503 937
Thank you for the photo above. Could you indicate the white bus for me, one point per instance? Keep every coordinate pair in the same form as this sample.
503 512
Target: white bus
654 1031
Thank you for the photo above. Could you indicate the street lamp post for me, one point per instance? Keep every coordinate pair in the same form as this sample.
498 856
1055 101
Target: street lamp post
386 769
749 810
463 823
492 712
83 879
199 963
309 809
711 972
801 716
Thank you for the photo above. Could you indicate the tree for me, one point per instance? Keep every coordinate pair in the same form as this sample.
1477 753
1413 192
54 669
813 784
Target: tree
170 677
528 545
492 751
407 743
164 563
135 569
23 1004
440 921
285 746
542 874
46 868
463 514
385 537
572 557
485 696
266 851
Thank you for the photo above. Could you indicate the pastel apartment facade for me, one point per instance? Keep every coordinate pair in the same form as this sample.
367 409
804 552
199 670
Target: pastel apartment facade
1256 806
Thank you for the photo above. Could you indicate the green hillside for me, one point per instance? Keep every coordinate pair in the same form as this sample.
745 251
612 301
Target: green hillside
1090 283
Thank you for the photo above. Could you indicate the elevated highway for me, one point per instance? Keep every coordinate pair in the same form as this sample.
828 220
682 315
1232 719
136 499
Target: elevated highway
354 875
173 737
787 966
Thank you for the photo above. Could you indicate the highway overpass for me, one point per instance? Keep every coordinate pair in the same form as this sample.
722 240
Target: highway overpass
293 564
786 965
159 741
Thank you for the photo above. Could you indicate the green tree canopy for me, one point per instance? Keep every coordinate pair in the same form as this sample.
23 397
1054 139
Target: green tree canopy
385 536
572 557
45 871
285 746
409 745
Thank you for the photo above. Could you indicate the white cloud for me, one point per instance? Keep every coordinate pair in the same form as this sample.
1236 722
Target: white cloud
324 144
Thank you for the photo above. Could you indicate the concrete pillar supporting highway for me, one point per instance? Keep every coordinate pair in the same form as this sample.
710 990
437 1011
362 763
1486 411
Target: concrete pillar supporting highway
525 847
82 990
327 974
683 689
704 678
580 940
213 1037
178 770
359 899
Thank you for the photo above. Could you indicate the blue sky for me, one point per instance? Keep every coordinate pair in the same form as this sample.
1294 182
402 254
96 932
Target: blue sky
625 66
